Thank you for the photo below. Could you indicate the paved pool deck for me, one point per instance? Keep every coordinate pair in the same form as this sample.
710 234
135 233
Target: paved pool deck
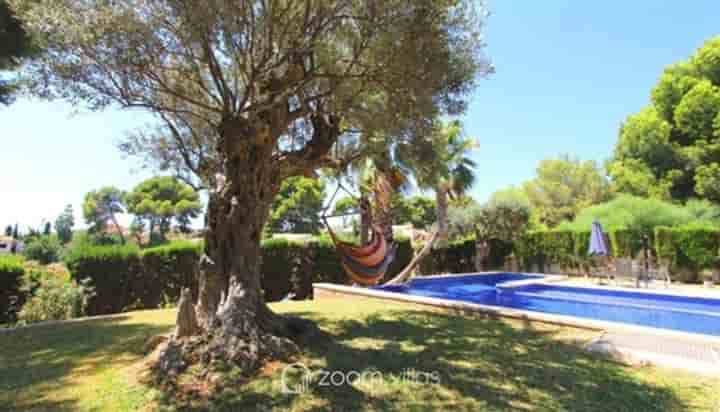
671 352
656 347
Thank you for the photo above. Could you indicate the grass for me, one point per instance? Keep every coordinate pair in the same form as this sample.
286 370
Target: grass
480 364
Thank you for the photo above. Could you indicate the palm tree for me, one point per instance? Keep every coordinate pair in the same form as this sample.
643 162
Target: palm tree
377 177
441 162
438 161
450 172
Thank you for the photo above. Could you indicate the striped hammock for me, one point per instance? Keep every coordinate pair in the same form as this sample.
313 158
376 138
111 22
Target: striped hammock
365 265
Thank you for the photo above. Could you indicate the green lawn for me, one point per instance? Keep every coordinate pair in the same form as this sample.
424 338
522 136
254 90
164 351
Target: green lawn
479 364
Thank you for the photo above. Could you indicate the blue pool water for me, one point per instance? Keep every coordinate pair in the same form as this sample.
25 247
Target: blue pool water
687 314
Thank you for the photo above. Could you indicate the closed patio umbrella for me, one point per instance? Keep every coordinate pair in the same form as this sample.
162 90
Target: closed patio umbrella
599 250
598 245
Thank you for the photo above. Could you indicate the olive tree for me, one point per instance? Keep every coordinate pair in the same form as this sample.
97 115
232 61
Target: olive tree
248 93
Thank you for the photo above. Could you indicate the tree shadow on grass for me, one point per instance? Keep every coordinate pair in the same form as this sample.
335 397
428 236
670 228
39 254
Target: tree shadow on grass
37 364
481 363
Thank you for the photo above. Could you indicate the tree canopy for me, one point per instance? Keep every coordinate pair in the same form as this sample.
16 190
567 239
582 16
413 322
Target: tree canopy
297 206
564 186
64 224
100 208
502 217
162 200
199 66
416 210
671 148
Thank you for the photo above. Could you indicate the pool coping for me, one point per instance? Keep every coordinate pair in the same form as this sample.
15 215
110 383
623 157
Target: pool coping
556 278
563 320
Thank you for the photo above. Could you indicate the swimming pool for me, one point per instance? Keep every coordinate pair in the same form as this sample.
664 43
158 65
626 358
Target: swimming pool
664 311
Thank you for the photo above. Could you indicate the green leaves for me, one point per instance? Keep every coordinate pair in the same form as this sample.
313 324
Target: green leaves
662 148
697 110
707 60
64 224
162 199
673 84
564 186
297 207
642 214
707 181
100 206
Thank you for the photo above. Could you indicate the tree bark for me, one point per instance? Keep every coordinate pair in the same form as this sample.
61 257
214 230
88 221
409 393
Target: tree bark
382 195
365 219
441 196
187 324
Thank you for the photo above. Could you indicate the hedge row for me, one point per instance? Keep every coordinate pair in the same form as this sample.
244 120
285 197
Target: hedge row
687 249
459 257
565 246
11 273
113 271
126 277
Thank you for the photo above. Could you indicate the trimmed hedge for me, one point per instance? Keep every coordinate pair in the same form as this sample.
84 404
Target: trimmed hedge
112 270
459 257
125 277
688 249
11 274
282 266
166 271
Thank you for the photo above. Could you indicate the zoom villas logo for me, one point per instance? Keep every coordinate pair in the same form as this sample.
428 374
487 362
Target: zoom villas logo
297 378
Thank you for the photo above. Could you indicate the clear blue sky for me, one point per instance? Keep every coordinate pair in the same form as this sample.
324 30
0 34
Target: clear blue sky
568 72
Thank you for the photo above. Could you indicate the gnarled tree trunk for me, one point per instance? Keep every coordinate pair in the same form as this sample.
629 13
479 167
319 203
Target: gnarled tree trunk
237 326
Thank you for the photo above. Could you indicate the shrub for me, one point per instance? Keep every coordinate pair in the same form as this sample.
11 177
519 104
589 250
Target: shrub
55 298
44 249
112 271
11 274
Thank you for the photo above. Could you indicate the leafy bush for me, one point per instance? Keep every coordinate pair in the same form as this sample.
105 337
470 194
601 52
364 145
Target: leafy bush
55 298
11 274
44 249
